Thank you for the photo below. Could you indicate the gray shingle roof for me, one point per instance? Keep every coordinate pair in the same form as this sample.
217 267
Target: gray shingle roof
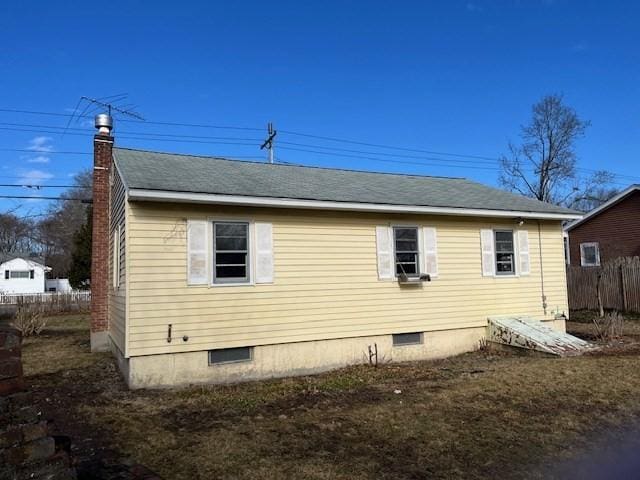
193 174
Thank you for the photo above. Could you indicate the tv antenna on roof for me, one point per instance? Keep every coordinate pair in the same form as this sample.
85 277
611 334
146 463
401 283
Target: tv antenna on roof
268 143
113 105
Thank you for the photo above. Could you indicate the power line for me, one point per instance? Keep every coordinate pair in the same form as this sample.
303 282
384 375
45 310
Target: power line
377 145
38 186
384 160
128 137
177 138
46 152
151 134
174 124
397 155
27 197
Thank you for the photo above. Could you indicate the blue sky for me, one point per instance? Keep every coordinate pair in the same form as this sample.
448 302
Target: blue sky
456 77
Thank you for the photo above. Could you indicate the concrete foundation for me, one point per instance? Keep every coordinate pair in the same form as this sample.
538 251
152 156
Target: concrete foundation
100 341
290 359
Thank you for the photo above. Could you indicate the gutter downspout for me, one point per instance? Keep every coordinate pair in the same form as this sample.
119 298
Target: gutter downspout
544 297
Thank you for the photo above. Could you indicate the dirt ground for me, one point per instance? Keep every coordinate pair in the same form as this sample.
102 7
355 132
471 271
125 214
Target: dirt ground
478 415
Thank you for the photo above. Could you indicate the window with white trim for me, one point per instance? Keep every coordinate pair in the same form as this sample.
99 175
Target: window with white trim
230 252
590 254
505 252
407 254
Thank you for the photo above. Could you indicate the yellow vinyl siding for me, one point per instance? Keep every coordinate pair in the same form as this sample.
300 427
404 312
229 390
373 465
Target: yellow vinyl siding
325 283
117 296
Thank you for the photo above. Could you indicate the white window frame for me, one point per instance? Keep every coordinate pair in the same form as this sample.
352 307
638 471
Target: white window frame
584 245
419 245
251 251
516 256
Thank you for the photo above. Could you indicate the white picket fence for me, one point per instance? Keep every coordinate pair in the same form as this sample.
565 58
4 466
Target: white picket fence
51 302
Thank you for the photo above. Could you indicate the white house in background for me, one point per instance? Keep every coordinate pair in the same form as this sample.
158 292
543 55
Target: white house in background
22 274
59 285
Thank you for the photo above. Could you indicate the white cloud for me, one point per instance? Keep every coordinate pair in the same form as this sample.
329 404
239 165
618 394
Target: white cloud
40 144
35 177
39 159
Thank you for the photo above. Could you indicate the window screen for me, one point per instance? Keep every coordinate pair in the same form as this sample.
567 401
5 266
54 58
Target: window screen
400 339
229 355
505 252
406 249
230 252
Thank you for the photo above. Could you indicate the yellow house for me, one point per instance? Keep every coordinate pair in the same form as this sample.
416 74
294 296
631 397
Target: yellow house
225 271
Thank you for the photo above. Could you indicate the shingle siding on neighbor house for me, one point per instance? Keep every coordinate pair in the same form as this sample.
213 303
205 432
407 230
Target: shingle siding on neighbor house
616 230
326 282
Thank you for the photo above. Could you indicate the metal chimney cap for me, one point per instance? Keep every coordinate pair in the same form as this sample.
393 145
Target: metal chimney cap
104 122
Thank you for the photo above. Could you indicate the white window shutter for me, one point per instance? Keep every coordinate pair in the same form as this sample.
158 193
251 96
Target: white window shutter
197 252
430 239
264 252
486 243
385 253
523 252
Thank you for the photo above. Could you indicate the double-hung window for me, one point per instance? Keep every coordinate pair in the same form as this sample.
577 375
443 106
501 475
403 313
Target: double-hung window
505 252
406 251
230 252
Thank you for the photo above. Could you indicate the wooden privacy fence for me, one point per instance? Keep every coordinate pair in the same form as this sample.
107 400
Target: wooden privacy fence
54 302
619 286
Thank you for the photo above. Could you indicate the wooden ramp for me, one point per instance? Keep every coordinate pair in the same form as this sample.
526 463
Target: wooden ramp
526 332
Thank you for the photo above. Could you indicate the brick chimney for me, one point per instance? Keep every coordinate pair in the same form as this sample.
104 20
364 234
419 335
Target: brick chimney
102 159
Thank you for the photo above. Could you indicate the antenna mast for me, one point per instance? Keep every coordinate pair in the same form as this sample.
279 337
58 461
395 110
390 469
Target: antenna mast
110 107
110 104
268 143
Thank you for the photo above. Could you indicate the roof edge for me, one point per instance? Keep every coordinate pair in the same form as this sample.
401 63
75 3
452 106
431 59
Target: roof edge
252 201
605 206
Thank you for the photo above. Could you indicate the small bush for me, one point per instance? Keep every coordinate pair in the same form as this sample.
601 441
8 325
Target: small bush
30 319
610 326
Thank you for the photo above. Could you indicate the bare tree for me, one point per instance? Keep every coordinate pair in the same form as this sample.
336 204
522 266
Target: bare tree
16 234
543 166
57 229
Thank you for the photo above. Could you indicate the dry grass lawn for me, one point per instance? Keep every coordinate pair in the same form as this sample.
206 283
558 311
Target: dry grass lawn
479 415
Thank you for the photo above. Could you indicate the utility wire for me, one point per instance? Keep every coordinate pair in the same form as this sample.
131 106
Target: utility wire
26 197
47 152
385 154
174 124
377 145
384 160
38 187
175 137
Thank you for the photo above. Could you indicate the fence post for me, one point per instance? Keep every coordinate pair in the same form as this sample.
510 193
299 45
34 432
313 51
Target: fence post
624 290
